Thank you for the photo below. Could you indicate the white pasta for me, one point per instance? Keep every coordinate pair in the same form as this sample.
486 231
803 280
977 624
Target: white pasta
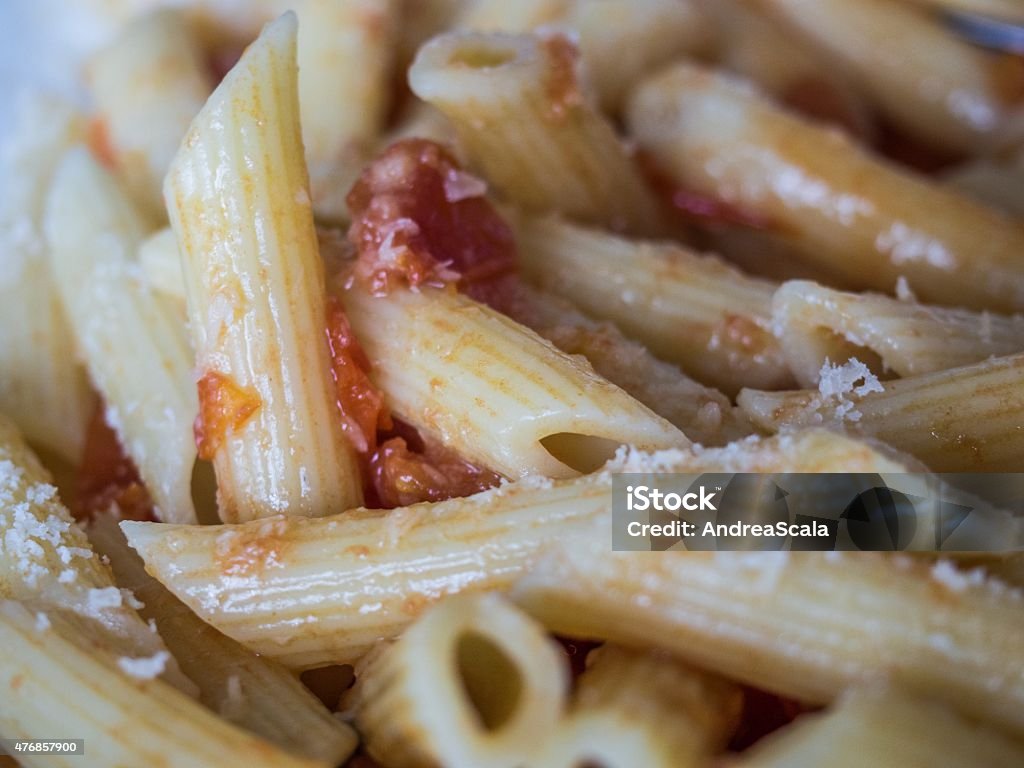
148 84
816 323
42 385
493 390
133 344
238 197
521 114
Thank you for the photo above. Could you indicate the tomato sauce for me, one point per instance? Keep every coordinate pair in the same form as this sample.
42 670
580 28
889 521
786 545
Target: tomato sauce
360 403
419 219
107 476
224 405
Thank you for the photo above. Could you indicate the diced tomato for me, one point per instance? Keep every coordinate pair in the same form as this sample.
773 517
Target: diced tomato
419 219
107 476
224 406
360 403
401 477
98 140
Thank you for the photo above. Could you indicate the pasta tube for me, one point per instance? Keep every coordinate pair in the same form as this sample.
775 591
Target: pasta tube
133 344
705 415
806 626
42 385
148 84
644 708
698 312
793 70
960 420
342 583
893 51
472 684
883 726
55 685
494 391
816 323
521 115
345 57
860 218
247 690
619 40
46 558
238 198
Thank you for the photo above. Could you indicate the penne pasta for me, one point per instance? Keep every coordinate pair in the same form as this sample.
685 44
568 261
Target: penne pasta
883 726
699 313
245 689
133 344
619 41
148 84
521 115
796 73
959 420
853 214
494 391
43 388
55 685
704 415
345 57
238 198
472 684
910 339
926 80
161 265
642 707
846 619
342 583
46 559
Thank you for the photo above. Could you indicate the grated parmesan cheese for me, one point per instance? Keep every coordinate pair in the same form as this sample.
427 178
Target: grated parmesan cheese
145 668
98 600
459 185
835 382
42 622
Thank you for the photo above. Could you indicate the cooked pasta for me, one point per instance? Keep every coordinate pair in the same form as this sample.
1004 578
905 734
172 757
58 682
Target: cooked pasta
346 346
43 387
860 218
265 396
522 116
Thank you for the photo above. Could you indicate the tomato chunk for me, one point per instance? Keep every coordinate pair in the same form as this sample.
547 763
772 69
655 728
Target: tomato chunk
401 477
224 406
360 403
419 219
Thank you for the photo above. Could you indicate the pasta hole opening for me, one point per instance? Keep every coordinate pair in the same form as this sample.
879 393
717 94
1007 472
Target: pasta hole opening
842 350
490 679
480 57
584 453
